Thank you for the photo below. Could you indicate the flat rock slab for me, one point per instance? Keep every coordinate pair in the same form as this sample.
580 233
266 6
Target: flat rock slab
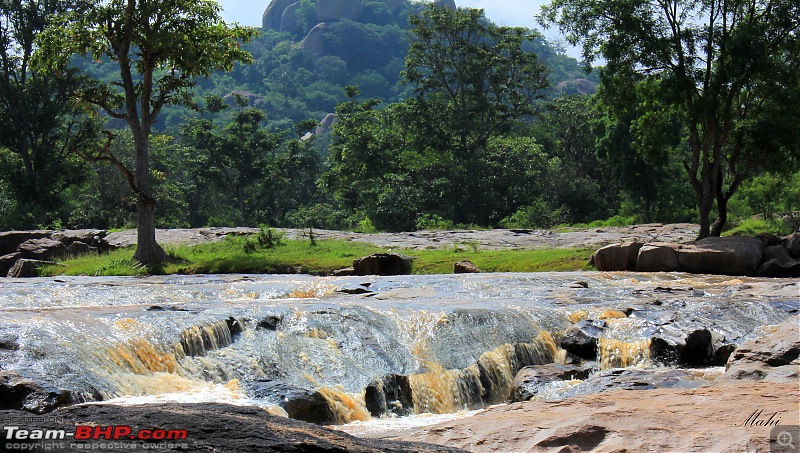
466 239
702 419
217 427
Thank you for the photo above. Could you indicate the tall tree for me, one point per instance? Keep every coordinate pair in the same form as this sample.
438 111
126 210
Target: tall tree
472 81
39 124
161 47
730 67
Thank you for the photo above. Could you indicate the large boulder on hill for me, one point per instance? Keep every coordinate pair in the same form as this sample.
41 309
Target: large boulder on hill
326 124
450 4
724 256
10 240
617 257
334 10
314 42
271 20
774 357
394 5
383 264
289 19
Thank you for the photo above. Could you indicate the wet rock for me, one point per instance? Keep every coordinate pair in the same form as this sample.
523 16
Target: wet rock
391 394
354 291
465 267
581 339
10 240
383 264
631 379
579 285
658 257
617 257
26 268
530 379
778 263
772 358
723 256
270 323
346 272
214 427
18 392
299 403
7 262
42 249
694 347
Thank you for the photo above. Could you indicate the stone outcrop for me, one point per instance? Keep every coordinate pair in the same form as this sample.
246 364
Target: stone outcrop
449 4
314 42
531 379
289 19
335 10
326 124
218 427
763 256
18 392
27 251
383 264
271 20
772 358
581 339
299 403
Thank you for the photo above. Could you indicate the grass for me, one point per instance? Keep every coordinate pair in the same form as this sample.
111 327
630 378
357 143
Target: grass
229 256
752 227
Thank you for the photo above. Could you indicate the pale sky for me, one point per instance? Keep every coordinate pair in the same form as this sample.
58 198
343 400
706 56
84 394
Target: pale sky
517 13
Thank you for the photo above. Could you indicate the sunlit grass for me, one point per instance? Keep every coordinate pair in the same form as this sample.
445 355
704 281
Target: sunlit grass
300 256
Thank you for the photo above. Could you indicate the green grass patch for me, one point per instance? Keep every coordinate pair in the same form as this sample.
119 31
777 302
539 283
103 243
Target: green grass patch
752 227
239 255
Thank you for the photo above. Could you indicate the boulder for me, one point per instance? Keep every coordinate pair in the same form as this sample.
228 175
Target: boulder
774 357
271 20
93 238
314 42
391 394
253 99
633 379
465 267
334 10
383 264
692 347
78 248
326 124
289 22
299 403
778 263
25 268
581 339
7 262
658 257
449 4
617 257
18 392
10 240
42 249
530 379
725 256
394 5
792 244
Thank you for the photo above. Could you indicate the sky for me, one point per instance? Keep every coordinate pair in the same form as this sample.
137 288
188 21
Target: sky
516 13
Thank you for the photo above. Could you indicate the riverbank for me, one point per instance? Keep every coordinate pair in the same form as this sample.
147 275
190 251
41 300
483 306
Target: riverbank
323 252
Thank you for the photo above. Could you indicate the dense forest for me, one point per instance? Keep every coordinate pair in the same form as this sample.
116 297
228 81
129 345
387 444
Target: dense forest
442 119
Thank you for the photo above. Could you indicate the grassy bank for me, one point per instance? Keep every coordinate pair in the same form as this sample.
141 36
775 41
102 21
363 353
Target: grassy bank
247 256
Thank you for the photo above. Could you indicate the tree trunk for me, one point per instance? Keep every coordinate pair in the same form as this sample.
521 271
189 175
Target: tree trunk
722 217
147 249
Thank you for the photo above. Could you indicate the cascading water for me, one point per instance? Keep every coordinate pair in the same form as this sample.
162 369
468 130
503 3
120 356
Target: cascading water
403 345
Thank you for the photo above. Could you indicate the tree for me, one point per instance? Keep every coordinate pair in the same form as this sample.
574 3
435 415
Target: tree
730 69
472 81
160 47
39 125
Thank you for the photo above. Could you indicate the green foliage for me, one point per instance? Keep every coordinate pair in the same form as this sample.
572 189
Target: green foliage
713 81
434 222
